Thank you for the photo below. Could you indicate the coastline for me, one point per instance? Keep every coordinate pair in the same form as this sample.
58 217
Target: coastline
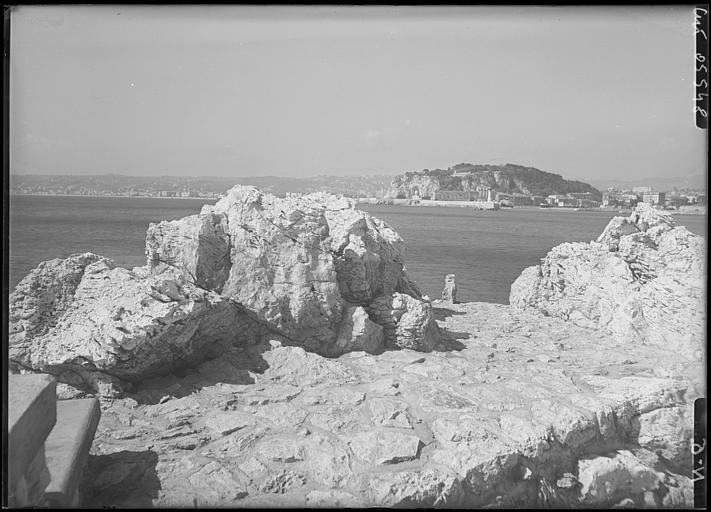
477 205
484 205
109 196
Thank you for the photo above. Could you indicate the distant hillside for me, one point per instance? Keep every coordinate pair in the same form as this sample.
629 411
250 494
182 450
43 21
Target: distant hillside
114 184
508 179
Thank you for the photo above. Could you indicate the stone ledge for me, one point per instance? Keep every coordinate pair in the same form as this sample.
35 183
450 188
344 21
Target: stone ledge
32 414
67 449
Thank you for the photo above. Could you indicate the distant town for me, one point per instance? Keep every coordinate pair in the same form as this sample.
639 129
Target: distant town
376 188
110 185
611 198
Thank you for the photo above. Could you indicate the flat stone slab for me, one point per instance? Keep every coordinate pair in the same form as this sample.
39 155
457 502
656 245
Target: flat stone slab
67 448
31 414
499 416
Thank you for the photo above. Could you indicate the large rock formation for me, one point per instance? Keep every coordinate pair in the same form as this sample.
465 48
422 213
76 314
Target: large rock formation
643 281
312 269
96 325
297 263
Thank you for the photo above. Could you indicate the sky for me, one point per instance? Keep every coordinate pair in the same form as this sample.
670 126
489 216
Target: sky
585 92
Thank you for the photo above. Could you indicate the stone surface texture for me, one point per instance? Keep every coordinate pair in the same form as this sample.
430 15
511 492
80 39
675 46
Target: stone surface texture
515 409
643 281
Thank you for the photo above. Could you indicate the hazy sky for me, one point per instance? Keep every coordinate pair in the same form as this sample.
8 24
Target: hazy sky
591 93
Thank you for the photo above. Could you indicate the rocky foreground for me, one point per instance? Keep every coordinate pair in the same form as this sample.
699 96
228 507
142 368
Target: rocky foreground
302 368
519 410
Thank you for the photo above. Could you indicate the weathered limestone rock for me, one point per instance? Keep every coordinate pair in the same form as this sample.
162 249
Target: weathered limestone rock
359 332
105 324
281 267
607 479
197 244
307 269
384 447
488 425
449 293
429 487
669 432
407 322
45 294
389 412
298 264
643 280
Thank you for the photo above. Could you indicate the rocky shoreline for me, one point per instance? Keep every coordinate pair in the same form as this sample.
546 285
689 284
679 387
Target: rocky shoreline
275 353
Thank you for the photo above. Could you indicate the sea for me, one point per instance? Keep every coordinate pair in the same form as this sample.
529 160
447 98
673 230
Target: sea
485 250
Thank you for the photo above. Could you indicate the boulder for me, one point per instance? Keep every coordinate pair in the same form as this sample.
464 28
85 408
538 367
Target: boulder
299 264
642 280
96 326
407 322
359 332
449 293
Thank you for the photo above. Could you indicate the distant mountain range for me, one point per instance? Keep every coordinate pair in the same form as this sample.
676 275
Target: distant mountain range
507 179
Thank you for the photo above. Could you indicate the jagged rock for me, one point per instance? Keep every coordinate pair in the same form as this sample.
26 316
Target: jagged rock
298 264
95 325
197 244
45 294
307 267
428 487
608 479
407 322
616 229
282 482
449 293
359 332
668 432
643 280
369 254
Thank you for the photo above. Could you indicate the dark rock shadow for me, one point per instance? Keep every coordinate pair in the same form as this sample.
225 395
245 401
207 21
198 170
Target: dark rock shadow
681 465
226 365
443 313
450 341
122 479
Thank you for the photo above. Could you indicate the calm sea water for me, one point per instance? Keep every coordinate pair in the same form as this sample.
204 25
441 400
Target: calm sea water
486 250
